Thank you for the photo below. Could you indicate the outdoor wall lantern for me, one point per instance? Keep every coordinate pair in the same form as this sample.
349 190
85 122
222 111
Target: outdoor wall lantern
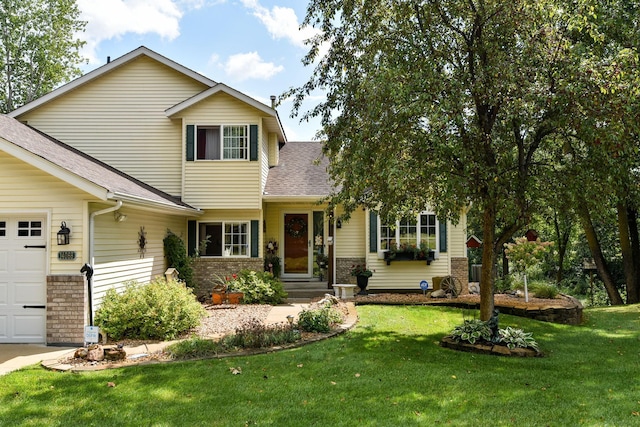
63 234
339 223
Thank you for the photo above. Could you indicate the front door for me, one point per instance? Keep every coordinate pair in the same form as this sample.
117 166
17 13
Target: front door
296 245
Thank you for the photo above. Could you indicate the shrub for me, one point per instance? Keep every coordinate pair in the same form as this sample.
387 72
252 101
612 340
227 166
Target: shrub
319 319
544 290
259 287
176 255
194 347
472 331
158 310
256 334
513 338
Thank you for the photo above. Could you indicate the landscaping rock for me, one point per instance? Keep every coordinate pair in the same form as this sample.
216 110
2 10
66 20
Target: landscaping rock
81 353
115 353
95 353
438 294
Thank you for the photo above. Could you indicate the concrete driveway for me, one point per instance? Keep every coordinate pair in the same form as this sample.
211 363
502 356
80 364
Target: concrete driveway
17 356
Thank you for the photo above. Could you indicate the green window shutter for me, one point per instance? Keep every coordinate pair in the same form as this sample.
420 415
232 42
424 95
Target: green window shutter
192 238
255 238
443 236
253 143
373 231
191 137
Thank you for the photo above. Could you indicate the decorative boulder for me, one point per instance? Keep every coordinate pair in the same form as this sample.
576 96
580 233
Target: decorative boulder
115 353
438 294
81 353
95 353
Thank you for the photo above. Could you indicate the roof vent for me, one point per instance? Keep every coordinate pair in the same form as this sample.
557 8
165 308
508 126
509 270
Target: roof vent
108 59
273 101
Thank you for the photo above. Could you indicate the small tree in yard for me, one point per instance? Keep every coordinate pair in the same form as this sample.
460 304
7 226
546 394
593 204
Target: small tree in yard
524 254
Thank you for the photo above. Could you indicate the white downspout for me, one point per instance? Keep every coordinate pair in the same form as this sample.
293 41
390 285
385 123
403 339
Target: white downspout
92 217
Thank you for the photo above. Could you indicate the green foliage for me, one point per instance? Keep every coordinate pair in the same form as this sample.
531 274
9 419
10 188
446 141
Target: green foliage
471 331
544 290
504 284
175 253
256 334
195 348
39 48
319 319
158 310
259 287
525 254
513 338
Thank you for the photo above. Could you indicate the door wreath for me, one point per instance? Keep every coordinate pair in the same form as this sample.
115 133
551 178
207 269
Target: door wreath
296 227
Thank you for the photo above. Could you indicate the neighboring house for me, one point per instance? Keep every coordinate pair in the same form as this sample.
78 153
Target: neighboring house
143 145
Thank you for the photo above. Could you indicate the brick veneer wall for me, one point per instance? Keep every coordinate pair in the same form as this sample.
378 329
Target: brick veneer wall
343 269
67 304
206 270
460 270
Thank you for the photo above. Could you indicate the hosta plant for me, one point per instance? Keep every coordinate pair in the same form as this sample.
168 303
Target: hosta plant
513 338
472 331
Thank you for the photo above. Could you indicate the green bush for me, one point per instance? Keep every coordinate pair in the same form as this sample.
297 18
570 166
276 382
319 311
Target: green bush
513 338
544 290
176 254
259 287
194 348
255 334
472 331
158 310
319 319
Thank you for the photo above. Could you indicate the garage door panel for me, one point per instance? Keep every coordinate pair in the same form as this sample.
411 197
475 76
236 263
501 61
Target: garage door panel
29 326
28 293
22 279
4 327
4 261
28 261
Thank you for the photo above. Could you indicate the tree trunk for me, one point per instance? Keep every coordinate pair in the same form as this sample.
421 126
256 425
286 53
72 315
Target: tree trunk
596 253
488 262
625 247
562 237
633 294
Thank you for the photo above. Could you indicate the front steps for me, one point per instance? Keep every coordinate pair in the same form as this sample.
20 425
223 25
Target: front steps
299 290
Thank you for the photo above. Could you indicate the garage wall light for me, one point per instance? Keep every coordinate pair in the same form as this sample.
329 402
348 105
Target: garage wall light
63 234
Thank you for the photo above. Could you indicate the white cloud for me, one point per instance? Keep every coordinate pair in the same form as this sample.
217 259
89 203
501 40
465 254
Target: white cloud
107 19
281 22
243 66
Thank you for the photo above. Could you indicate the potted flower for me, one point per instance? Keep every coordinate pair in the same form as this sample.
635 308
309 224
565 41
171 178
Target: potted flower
362 274
234 296
224 291
409 252
271 259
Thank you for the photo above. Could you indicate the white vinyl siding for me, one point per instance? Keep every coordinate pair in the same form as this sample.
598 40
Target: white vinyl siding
349 240
118 259
228 184
120 119
24 188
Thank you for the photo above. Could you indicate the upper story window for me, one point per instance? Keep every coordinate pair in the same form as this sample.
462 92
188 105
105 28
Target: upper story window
410 231
227 142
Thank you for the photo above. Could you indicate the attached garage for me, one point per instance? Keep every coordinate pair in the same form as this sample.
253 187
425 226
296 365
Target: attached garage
23 265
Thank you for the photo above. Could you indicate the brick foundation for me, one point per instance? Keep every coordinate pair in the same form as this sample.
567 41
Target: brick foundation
460 270
67 304
207 270
343 270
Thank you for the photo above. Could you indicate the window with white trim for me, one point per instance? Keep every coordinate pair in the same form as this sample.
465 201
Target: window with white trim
226 142
226 239
410 231
29 228
3 228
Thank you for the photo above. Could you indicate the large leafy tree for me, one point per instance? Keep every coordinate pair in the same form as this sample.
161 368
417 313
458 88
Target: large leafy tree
39 48
441 103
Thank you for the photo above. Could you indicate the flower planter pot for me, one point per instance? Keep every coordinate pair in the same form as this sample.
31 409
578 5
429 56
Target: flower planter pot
235 297
362 282
409 256
217 298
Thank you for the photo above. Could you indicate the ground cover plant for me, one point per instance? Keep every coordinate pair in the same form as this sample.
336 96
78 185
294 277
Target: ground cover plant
389 370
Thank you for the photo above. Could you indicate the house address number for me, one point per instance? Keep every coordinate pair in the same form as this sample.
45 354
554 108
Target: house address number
67 255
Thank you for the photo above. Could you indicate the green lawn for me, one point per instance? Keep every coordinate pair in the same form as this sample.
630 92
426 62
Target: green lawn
388 371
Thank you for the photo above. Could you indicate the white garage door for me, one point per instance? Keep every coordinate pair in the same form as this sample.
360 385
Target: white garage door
23 255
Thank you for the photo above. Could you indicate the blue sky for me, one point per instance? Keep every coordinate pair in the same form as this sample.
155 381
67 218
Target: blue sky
254 46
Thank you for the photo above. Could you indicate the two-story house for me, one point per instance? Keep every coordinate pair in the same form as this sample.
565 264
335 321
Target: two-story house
96 172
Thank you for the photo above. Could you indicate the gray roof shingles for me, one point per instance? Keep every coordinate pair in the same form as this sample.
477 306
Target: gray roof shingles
297 174
81 164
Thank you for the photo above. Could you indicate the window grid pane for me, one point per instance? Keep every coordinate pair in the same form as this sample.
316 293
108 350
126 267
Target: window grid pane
235 239
235 142
428 230
387 236
408 233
